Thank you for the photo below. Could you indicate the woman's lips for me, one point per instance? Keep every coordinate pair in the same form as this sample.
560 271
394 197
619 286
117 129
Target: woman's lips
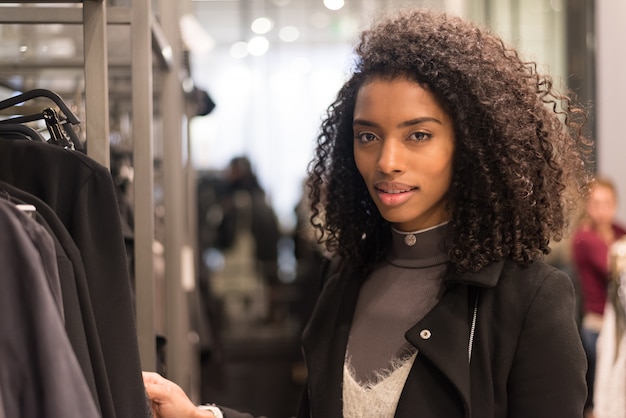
395 196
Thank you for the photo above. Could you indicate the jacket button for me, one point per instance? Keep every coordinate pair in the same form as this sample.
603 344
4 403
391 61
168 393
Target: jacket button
425 334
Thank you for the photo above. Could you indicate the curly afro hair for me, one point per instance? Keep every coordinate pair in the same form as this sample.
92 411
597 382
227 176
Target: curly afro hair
520 156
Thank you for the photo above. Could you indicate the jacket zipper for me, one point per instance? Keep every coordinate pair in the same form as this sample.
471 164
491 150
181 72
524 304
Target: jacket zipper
472 330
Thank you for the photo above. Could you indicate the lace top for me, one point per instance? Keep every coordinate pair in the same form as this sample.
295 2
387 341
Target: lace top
377 399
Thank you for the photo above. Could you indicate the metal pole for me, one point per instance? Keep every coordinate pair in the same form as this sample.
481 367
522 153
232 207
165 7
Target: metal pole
96 80
143 161
172 108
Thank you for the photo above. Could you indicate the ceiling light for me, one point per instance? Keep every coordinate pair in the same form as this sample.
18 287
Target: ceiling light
262 25
239 50
334 4
289 34
258 46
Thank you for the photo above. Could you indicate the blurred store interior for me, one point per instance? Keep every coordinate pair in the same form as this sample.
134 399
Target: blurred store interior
178 98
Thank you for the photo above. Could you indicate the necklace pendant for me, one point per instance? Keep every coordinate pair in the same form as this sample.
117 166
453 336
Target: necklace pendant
410 240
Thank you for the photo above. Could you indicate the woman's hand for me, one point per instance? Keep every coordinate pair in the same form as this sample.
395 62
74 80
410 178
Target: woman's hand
168 400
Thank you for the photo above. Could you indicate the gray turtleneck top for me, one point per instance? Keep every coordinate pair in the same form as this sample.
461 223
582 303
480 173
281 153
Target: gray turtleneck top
396 295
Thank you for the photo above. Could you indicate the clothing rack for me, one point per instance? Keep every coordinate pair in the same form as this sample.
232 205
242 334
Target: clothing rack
76 192
147 38
158 41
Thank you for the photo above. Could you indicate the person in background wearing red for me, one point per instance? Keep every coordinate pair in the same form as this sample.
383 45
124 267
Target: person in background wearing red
596 232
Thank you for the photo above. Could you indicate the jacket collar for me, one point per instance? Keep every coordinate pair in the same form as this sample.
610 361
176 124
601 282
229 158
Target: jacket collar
487 277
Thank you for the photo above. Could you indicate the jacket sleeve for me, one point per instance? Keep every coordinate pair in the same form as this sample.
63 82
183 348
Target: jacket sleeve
547 379
304 410
231 413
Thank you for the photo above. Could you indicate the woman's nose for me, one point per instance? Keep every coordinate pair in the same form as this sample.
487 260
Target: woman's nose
390 158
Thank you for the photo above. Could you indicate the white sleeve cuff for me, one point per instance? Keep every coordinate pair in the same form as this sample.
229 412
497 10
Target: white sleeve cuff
214 409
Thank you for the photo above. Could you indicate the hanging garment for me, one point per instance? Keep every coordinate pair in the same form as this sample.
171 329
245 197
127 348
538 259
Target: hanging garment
80 191
80 323
40 376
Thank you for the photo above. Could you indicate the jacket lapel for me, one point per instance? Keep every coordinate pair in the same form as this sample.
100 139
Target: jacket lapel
441 368
441 365
324 344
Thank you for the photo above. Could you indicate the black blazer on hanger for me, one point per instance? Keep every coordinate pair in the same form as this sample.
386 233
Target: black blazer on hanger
41 377
80 323
82 194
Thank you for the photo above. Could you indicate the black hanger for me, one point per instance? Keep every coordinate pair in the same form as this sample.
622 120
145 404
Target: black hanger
32 94
16 130
62 123
61 133
58 136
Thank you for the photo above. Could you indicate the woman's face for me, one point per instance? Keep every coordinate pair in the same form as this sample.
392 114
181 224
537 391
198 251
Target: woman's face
403 148
602 205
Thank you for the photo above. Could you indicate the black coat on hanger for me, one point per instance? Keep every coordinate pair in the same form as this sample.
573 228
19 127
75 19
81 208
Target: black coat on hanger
82 194
80 323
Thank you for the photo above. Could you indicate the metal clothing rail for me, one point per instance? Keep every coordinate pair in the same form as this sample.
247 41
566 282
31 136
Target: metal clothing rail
93 17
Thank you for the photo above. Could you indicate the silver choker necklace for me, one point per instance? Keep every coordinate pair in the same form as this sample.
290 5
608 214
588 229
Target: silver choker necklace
409 237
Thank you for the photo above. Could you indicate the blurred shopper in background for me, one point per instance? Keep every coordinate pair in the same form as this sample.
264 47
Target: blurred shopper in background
597 231
246 212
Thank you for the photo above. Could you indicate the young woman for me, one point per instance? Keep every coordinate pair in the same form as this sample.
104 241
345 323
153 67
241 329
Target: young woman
439 179
596 233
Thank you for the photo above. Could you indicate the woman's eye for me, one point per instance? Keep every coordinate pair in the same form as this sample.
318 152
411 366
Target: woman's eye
366 137
420 136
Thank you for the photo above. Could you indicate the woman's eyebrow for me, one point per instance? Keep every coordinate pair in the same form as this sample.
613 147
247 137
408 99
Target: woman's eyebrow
404 124
364 123
417 121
